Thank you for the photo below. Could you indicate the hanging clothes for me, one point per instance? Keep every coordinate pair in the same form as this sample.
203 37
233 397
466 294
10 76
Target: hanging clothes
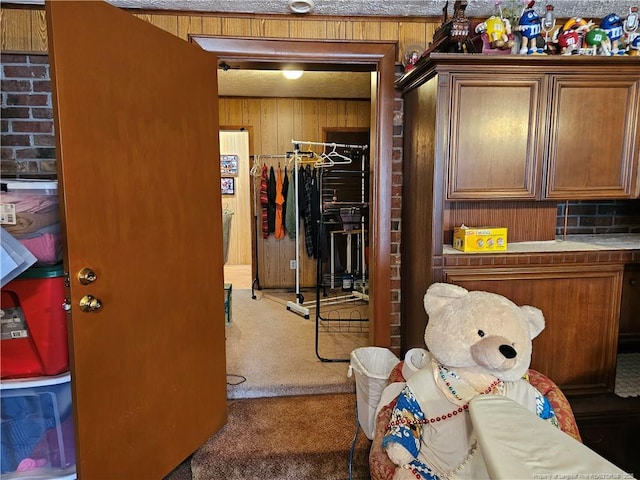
306 216
264 200
279 201
271 206
290 220
315 210
285 192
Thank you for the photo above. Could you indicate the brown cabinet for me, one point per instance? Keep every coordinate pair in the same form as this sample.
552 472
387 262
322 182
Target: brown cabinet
578 347
592 145
500 140
520 128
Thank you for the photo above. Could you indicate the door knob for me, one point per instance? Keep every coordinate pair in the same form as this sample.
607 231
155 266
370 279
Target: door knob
86 276
89 303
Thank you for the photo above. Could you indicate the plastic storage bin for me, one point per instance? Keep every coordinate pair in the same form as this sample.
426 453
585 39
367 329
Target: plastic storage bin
37 428
33 324
29 211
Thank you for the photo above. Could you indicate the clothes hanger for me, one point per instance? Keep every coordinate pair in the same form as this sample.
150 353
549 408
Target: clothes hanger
256 170
335 154
324 159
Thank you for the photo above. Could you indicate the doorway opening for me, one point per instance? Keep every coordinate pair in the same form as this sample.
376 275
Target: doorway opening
379 58
341 56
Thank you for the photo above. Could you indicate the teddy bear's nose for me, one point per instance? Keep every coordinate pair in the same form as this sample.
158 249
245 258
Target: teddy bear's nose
508 351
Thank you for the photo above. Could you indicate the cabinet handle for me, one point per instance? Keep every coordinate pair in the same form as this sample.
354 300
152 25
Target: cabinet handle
633 282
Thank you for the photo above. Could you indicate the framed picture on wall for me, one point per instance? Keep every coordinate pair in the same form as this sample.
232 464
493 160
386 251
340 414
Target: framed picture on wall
229 165
228 185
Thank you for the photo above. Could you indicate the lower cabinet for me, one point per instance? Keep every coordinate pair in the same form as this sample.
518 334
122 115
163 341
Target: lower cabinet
581 305
609 426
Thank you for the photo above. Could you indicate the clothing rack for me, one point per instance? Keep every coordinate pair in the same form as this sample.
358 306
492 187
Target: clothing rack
298 156
328 144
256 172
299 305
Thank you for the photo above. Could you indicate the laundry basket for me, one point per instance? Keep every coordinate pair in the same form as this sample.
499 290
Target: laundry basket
372 366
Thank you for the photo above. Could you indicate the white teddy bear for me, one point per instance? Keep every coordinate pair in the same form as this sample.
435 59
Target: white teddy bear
479 344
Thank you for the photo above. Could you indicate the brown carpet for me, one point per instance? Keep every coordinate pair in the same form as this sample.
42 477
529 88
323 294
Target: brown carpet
285 438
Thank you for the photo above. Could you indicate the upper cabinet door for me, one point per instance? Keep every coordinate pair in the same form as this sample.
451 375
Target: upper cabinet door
138 162
593 136
495 125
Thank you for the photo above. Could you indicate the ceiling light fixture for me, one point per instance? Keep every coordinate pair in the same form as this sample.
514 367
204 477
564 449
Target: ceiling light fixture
301 6
292 74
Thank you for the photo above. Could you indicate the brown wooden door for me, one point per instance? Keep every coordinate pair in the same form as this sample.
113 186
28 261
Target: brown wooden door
137 150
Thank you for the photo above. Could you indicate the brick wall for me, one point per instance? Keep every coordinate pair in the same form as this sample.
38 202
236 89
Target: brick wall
396 215
26 133
598 217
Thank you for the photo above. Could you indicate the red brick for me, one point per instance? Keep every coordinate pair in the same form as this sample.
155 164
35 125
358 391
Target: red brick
25 71
20 167
42 86
27 99
13 58
6 153
46 113
44 140
39 59
34 126
16 85
16 140
48 166
15 112
49 153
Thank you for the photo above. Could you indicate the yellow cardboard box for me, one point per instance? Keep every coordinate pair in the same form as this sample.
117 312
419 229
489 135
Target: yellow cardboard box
480 239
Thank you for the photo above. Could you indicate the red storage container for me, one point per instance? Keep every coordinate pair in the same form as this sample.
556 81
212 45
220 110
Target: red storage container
34 324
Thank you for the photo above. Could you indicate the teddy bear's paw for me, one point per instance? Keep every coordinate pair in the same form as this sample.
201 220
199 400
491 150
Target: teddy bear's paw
398 454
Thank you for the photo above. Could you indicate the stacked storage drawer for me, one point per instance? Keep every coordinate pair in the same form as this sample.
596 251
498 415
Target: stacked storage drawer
36 430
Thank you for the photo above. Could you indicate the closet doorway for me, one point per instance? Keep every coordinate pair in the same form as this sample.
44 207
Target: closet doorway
236 198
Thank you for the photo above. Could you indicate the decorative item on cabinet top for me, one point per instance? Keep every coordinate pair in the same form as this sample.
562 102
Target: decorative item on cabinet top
521 27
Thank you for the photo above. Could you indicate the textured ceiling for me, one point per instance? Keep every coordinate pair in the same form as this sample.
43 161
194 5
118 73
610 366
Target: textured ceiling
589 9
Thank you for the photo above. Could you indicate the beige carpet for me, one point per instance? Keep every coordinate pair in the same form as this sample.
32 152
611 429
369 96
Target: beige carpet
305 437
274 350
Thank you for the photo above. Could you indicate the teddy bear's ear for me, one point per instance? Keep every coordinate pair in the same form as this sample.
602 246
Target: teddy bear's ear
535 319
440 294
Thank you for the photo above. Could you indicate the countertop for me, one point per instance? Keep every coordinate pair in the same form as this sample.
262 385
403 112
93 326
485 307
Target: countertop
570 243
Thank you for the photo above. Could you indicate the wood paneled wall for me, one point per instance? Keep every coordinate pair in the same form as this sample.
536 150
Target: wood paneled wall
273 123
24 29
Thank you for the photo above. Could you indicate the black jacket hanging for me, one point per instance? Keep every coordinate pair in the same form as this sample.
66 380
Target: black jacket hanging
307 218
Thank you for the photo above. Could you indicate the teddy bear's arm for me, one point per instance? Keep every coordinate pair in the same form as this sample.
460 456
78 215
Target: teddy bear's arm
405 426
545 410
